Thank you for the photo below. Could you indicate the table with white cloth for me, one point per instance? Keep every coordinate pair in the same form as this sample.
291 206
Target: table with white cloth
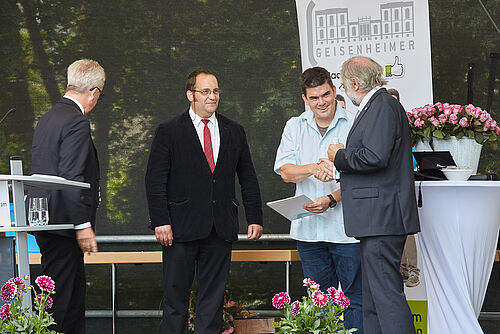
460 223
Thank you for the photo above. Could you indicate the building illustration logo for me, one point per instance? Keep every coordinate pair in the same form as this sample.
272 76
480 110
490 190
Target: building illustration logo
331 32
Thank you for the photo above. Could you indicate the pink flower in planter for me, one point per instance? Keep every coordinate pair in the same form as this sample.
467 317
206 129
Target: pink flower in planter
8 291
442 118
434 121
280 299
331 293
310 283
295 307
448 111
464 123
497 130
484 116
453 119
419 123
17 281
493 125
319 298
341 299
49 302
469 109
45 283
5 311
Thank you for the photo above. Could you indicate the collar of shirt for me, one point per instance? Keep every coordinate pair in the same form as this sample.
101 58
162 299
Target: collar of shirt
197 119
340 113
77 103
367 97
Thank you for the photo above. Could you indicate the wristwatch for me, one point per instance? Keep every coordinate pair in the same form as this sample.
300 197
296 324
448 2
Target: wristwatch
333 202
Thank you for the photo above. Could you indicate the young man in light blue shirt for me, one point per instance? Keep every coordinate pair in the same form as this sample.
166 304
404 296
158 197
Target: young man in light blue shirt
328 255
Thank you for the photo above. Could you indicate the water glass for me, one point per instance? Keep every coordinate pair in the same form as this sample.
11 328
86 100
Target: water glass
38 213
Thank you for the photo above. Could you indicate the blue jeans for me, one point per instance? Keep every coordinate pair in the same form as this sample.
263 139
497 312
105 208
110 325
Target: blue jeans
329 263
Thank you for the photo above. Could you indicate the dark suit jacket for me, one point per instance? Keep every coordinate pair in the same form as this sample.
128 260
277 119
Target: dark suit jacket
377 185
183 192
62 146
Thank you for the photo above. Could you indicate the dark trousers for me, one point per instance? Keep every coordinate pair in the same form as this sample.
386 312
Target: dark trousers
329 263
211 259
385 309
62 260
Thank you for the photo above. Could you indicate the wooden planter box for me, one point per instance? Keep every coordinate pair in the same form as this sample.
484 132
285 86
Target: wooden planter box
254 326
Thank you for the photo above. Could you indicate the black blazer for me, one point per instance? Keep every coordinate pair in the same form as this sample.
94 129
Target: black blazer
377 185
182 191
63 146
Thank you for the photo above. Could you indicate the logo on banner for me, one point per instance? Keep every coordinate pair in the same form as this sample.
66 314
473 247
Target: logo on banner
335 32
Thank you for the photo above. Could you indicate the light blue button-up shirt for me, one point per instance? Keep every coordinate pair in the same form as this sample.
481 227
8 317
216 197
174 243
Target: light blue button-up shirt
301 144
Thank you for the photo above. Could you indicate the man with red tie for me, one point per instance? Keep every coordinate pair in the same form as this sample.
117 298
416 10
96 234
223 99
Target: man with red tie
190 186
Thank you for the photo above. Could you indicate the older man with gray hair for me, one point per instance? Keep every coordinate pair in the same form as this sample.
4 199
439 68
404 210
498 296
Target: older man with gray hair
378 194
62 146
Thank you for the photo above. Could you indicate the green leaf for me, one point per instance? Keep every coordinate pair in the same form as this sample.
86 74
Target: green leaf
438 134
479 137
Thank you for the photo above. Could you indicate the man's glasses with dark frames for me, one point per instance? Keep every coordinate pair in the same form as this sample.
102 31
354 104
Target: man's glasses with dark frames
101 94
207 92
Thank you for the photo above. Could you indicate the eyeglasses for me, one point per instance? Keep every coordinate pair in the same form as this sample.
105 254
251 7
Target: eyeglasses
207 92
101 94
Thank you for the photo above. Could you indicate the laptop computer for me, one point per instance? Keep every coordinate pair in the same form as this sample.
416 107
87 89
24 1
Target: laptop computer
430 163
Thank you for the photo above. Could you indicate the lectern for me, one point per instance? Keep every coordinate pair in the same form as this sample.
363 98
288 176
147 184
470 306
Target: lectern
19 181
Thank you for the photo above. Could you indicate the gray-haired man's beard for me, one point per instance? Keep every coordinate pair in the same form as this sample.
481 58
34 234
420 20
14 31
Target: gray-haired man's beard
356 100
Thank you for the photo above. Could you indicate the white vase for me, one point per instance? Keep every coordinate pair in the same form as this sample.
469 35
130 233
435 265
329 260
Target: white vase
465 151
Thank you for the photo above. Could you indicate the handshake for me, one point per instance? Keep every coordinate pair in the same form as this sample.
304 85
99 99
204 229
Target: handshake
323 170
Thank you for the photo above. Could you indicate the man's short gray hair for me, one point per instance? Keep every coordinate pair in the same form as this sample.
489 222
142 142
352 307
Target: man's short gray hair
368 72
85 74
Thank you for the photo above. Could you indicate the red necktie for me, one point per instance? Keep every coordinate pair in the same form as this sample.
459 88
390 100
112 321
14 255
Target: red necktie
207 144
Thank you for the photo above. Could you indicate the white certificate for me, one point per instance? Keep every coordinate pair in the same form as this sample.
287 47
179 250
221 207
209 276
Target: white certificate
292 207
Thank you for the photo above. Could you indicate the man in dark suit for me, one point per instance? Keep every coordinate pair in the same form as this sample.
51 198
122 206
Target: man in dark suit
62 146
190 186
378 193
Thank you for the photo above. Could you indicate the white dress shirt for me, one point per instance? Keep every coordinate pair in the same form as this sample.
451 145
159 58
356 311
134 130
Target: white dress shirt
213 126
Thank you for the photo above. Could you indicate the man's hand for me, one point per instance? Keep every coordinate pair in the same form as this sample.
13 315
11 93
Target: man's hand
254 232
86 240
325 170
319 205
164 235
332 150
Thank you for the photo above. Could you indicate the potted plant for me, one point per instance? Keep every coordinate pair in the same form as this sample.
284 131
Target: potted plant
462 130
14 319
318 313
235 317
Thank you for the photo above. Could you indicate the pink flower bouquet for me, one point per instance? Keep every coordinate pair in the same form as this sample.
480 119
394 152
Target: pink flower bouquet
443 120
319 312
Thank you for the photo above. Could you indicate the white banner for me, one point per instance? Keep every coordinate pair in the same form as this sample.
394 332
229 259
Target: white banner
393 33
4 205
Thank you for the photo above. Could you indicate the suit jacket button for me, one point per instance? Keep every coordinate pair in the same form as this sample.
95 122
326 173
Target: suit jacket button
214 201
214 180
